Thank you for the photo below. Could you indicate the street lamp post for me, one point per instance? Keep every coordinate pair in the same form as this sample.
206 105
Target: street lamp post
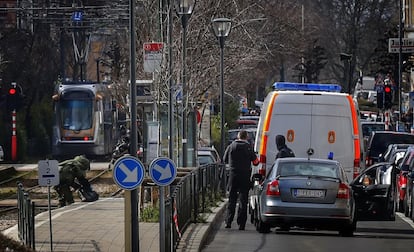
221 28
184 9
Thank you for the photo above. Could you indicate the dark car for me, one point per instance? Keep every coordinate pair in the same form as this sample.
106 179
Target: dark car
409 195
403 169
375 193
380 140
208 155
302 192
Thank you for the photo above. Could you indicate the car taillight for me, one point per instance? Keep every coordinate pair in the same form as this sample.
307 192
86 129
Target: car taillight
357 164
343 191
273 188
262 168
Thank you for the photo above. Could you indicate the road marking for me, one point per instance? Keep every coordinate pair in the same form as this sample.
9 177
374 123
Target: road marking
406 219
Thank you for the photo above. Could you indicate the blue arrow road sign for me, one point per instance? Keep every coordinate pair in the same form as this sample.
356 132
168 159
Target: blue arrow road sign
128 172
162 171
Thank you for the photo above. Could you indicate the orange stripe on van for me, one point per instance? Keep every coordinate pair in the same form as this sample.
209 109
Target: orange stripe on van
266 125
357 151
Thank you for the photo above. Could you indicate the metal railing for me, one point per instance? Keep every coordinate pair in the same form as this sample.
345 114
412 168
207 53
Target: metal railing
189 200
26 217
191 196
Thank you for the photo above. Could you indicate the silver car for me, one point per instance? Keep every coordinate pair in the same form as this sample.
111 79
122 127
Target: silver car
304 193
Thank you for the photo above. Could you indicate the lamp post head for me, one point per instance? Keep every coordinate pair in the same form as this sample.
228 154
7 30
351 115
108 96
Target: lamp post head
221 27
184 7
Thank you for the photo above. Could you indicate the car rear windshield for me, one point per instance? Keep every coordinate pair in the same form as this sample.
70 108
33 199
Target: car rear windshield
367 128
381 141
308 169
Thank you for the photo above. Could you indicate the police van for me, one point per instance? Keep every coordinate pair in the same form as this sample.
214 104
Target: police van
317 121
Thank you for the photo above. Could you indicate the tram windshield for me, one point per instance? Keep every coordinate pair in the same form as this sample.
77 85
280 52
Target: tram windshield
76 114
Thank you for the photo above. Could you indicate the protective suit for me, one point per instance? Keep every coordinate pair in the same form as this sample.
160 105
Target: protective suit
70 170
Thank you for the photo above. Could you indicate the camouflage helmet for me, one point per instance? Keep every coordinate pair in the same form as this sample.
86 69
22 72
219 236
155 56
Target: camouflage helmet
84 163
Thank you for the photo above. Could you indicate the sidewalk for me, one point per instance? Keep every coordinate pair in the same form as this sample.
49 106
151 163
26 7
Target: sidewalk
99 226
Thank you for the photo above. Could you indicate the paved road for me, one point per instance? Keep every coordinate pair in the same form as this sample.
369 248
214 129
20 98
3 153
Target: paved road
370 236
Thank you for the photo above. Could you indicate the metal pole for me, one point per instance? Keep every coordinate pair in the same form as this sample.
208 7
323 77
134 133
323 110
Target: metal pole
133 148
222 139
400 34
14 135
50 220
162 219
184 20
170 113
170 86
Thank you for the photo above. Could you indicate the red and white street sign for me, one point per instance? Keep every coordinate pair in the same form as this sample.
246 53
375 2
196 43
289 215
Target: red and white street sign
153 53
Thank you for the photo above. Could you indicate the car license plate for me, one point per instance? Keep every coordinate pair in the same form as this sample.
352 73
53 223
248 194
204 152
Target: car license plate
305 193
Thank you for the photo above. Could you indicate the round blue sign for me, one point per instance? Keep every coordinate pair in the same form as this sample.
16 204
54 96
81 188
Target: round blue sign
162 171
128 172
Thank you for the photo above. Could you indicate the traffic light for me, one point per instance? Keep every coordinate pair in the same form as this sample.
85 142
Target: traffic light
387 96
14 97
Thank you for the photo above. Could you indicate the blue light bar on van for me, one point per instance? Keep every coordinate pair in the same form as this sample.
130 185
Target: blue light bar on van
306 87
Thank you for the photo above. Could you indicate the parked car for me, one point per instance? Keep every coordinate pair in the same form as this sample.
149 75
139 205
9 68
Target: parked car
375 193
251 135
380 140
208 155
409 195
302 192
370 126
402 178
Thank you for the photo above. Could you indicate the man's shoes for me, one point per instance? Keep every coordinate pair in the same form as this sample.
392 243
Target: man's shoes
242 227
227 225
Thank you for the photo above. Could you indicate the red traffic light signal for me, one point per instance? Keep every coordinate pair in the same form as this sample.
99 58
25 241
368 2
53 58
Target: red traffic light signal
387 89
12 91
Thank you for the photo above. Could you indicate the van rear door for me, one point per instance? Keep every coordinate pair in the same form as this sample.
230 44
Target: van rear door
314 125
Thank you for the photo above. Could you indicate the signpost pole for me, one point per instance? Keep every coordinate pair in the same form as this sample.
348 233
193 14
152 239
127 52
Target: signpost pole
162 219
163 172
48 174
50 219
134 224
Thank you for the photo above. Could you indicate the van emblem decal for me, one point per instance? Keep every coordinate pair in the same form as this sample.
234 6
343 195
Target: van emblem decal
310 151
331 137
290 136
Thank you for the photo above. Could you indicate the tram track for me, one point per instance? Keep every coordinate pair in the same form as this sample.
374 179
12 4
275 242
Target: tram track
100 179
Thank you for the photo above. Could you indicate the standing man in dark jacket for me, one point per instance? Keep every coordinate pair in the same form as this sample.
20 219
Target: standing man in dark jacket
284 151
239 156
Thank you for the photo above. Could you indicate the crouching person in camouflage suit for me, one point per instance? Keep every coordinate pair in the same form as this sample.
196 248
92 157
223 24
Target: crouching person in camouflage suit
70 170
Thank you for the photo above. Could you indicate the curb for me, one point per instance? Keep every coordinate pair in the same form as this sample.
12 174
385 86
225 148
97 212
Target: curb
197 234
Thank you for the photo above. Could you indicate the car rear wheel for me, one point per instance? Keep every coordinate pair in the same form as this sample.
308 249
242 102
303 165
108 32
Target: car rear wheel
261 227
391 205
412 207
348 229
400 206
251 212
406 207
